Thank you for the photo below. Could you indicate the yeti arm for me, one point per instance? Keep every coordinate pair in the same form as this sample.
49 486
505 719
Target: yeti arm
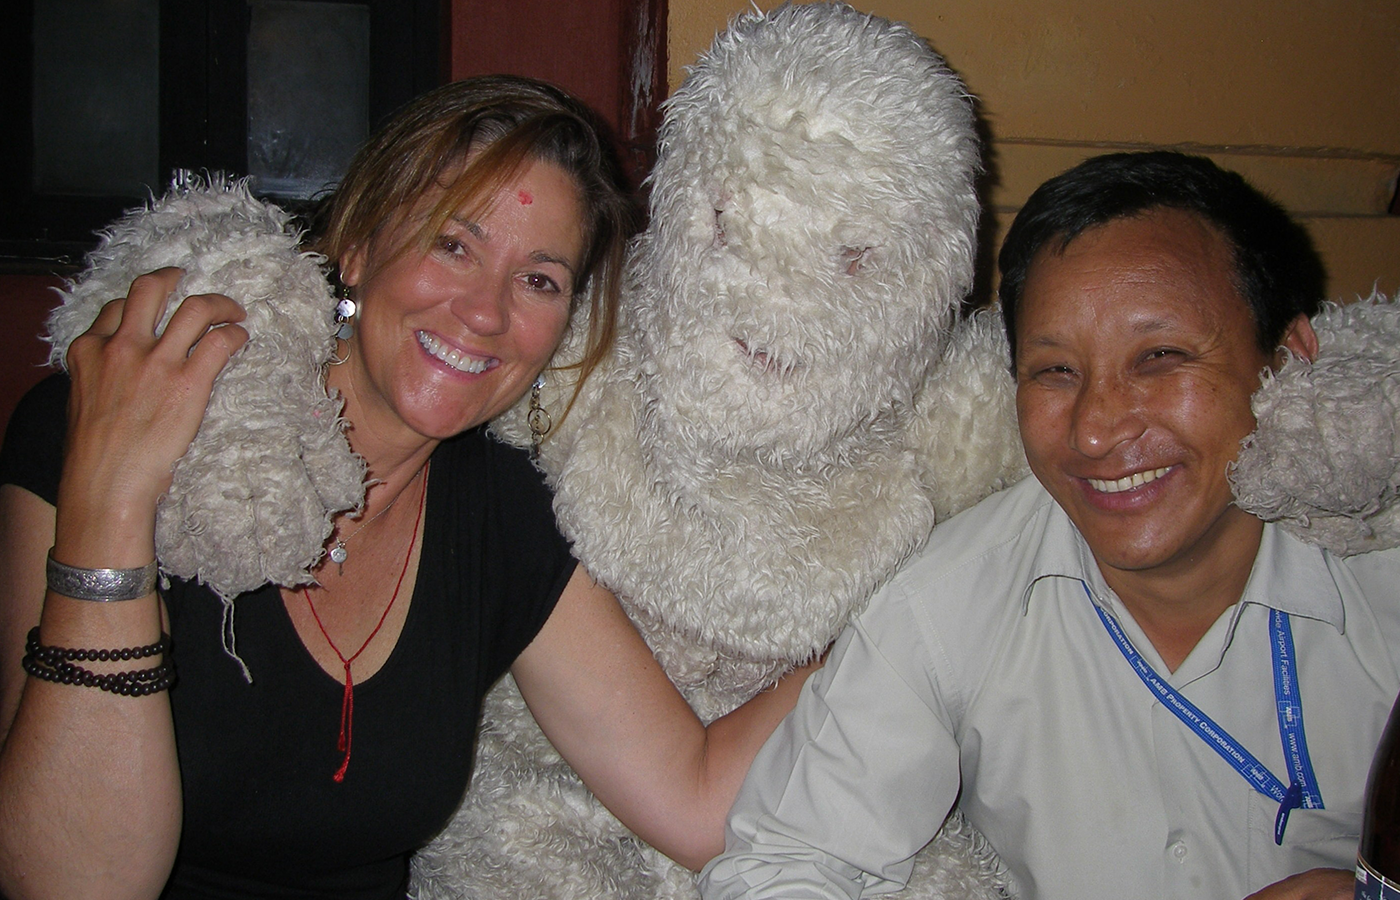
90 801
964 431
604 702
1324 458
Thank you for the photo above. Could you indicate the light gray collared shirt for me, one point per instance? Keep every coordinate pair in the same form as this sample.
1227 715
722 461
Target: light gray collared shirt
983 667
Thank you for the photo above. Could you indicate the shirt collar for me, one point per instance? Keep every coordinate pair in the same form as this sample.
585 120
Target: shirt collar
1062 552
1288 575
1301 580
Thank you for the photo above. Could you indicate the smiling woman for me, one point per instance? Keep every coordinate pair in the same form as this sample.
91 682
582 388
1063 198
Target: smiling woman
463 235
452 337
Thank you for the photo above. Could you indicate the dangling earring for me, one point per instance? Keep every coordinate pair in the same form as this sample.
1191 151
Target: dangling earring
345 310
539 419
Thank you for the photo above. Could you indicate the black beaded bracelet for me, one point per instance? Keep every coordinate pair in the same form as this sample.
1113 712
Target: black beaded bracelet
59 654
53 664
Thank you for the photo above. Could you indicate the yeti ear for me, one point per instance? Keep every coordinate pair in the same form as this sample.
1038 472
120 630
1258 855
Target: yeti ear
854 259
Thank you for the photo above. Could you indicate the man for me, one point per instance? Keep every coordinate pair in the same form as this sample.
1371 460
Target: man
1073 660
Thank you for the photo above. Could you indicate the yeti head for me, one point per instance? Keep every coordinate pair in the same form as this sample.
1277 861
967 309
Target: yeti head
812 232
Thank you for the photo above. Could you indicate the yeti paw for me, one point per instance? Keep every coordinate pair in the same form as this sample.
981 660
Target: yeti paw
1323 459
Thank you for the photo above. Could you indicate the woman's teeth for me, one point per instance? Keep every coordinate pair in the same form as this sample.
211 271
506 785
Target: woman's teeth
452 356
1127 483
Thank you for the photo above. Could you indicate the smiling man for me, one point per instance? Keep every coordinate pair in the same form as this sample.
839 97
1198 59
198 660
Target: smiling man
1132 687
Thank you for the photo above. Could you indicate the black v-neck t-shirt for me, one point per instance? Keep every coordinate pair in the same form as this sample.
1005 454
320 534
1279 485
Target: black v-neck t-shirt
262 815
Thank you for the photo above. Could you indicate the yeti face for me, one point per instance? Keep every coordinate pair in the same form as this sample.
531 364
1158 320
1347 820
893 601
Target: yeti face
810 241
794 307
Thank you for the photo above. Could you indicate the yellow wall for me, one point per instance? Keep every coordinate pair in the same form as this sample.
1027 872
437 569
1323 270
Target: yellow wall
1301 96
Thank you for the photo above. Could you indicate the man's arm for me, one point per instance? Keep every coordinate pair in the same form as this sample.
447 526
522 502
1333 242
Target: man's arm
853 783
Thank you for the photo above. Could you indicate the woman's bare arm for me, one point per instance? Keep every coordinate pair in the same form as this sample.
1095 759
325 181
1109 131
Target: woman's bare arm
89 788
89 783
609 709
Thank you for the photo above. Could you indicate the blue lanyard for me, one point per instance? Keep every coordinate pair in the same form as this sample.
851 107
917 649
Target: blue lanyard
1302 790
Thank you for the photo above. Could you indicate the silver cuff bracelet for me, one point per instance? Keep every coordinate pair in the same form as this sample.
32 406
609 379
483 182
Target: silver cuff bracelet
101 585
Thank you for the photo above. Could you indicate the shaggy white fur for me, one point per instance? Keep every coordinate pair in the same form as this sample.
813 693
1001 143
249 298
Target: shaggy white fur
1324 459
783 420
252 500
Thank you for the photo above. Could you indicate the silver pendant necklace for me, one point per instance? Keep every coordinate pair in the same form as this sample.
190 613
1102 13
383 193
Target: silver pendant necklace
339 554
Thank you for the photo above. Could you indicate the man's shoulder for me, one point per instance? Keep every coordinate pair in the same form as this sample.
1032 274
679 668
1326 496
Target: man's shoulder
1355 594
989 545
957 604
1387 561
1376 575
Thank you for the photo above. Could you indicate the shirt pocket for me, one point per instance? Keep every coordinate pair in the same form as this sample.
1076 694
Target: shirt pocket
1313 838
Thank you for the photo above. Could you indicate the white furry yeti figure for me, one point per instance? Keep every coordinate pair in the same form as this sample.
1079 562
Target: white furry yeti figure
787 412
253 498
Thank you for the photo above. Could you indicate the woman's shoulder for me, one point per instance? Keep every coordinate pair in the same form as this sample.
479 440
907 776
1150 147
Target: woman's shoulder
44 403
491 492
487 463
492 538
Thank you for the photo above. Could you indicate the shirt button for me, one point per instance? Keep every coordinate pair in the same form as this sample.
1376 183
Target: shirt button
1178 851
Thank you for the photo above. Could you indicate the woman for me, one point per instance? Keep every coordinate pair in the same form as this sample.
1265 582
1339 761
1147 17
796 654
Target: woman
464 233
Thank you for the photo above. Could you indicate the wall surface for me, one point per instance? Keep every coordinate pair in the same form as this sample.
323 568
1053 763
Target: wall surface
1300 96
602 51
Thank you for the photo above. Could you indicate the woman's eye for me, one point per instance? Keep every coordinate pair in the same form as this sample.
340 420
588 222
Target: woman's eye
543 283
448 244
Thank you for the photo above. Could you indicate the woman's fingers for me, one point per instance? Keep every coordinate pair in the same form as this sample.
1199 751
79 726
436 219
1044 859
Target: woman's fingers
146 301
191 324
108 318
206 332
133 320
212 351
137 398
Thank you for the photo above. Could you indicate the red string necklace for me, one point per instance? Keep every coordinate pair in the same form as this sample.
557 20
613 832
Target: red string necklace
347 701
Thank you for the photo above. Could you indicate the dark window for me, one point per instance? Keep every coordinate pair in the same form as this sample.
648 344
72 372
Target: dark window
105 99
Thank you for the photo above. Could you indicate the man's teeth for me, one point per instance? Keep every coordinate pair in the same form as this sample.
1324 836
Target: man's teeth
1128 482
452 356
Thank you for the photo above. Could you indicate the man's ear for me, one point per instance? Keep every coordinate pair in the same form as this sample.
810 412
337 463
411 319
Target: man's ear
1299 339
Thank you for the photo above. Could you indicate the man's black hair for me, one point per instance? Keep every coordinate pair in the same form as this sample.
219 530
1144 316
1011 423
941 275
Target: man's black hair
1277 270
